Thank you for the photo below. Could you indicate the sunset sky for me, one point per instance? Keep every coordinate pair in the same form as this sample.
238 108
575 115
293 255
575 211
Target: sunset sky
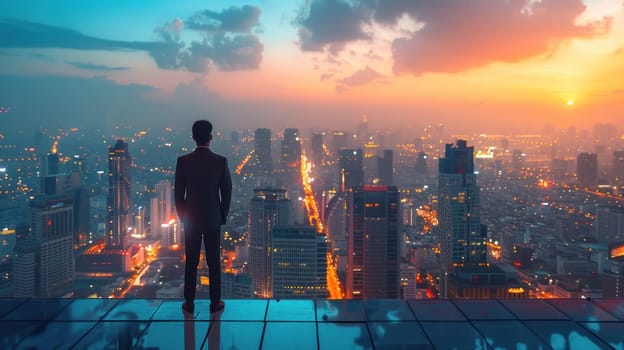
480 65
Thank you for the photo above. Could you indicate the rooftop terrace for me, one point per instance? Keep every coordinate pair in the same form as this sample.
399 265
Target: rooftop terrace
313 324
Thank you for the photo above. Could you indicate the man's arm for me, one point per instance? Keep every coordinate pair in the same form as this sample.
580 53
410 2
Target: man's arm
225 187
179 192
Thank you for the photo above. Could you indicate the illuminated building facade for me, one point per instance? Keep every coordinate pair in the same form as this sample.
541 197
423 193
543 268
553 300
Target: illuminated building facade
262 150
161 211
119 208
52 236
7 244
139 223
268 208
299 263
351 169
373 269
462 237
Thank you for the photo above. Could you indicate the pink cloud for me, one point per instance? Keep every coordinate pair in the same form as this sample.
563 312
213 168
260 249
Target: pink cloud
459 35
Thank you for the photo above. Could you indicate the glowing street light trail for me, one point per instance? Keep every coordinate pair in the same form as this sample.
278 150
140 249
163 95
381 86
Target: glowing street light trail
242 164
314 218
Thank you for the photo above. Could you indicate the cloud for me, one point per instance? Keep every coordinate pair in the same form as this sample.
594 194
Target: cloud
331 24
470 35
234 20
230 52
22 34
226 41
170 32
452 35
361 77
97 67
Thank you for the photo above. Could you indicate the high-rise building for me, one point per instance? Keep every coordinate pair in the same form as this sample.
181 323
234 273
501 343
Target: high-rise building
290 156
119 207
384 168
462 238
139 222
587 169
8 239
71 186
52 247
262 150
351 169
268 208
618 167
340 141
373 269
162 214
421 163
299 263
170 234
317 149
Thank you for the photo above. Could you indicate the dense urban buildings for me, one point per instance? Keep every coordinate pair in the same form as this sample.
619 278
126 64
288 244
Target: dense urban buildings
503 217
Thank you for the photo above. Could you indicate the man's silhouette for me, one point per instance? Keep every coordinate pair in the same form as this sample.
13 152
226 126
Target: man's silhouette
203 190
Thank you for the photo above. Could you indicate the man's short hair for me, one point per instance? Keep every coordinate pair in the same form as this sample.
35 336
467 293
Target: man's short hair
202 130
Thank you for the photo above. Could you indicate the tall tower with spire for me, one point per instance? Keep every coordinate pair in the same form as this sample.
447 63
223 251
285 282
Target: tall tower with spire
119 207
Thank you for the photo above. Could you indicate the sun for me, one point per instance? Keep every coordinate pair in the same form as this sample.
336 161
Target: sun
570 103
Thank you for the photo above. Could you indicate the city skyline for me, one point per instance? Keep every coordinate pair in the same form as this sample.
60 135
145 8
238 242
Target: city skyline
313 64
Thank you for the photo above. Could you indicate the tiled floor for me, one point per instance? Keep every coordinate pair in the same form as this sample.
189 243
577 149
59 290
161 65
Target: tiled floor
312 324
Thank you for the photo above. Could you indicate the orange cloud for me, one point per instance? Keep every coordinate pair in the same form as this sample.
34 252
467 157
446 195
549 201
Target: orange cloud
459 35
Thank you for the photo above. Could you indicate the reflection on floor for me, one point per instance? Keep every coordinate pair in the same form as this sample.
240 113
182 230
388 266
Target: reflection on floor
312 324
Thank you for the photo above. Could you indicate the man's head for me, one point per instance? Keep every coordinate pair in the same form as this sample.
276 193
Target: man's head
202 132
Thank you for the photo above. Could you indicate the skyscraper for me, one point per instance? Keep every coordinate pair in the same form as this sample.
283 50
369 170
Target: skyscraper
317 149
139 222
299 263
162 213
618 167
421 163
373 243
340 141
119 208
587 169
290 157
52 162
351 169
462 239
384 168
262 150
268 208
52 246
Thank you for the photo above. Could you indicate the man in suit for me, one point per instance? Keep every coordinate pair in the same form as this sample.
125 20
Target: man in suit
203 190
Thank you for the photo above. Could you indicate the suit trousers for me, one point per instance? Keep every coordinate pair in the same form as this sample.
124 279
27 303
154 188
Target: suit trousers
212 250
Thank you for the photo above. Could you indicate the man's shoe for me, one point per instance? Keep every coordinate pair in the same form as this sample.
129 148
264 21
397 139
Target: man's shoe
188 306
217 307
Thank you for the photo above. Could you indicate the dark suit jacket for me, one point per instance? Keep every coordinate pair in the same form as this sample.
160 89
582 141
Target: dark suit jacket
203 189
